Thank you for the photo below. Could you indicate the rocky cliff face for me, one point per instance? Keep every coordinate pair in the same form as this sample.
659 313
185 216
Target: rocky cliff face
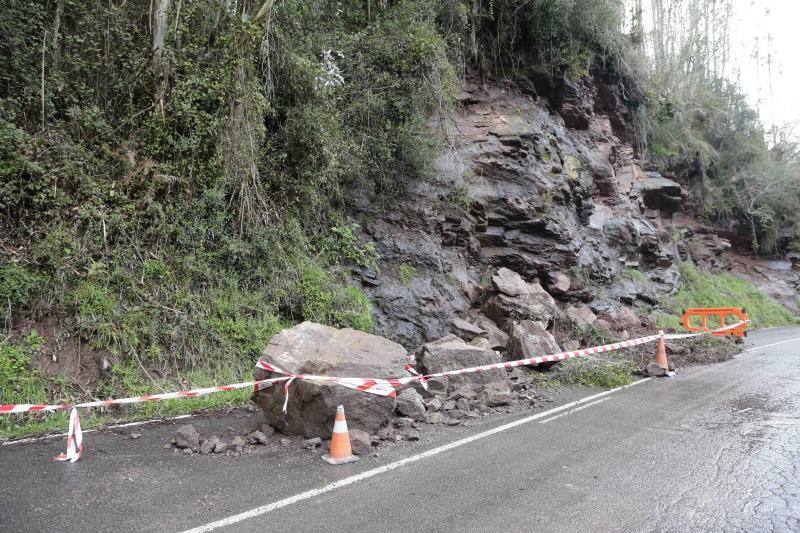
547 187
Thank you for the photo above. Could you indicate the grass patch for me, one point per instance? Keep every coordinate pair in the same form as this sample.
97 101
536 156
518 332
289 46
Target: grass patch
18 383
18 287
406 273
706 289
461 198
595 372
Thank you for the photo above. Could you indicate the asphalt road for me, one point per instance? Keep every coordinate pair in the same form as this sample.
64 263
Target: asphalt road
715 448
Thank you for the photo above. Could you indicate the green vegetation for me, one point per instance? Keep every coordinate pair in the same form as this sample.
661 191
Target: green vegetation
18 286
699 124
596 372
705 289
406 273
634 274
176 207
18 382
461 198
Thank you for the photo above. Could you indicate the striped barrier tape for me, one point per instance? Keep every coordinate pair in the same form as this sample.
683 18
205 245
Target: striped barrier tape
379 386
74 439
74 435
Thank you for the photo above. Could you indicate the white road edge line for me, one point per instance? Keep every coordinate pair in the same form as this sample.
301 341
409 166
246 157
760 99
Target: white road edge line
753 349
581 408
397 464
92 430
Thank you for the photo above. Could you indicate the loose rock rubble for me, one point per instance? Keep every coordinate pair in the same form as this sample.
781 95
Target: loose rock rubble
187 440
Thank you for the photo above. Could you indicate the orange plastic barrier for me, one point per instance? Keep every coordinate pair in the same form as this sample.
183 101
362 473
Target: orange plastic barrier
721 313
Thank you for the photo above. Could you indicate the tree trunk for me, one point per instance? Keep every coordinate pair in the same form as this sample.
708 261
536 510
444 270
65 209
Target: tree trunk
160 66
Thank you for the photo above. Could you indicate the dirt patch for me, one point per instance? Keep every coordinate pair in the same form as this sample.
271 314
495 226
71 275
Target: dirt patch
64 351
702 350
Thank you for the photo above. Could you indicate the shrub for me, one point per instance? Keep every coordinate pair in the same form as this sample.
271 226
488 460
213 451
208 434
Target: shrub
18 287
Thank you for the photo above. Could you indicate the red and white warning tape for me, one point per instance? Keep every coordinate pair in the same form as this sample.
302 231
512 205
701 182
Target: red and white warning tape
74 435
26 407
74 439
379 386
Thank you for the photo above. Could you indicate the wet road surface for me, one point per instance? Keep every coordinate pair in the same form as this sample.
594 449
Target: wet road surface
715 448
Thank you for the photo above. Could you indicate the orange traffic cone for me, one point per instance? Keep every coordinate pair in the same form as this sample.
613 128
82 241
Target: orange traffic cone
661 353
341 453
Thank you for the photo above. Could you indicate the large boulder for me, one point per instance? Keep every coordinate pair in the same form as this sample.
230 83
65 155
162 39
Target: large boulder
311 348
508 282
661 193
558 283
496 337
622 318
582 316
527 338
518 299
452 353
464 329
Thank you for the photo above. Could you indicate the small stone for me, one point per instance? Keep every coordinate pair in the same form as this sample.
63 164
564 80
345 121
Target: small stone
403 422
257 437
208 445
435 404
438 386
518 386
267 430
655 371
494 396
187 437
449 405
464 392
187 451
410 403
435 418
360 442
411 434
135 435
463 404
167 446
312 444
453 422
386 433
220 446
286 442
237 442
375 440
472 415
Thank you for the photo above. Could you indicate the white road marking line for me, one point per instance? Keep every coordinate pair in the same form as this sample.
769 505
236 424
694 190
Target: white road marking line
582 407
127 425
258 511
769 345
